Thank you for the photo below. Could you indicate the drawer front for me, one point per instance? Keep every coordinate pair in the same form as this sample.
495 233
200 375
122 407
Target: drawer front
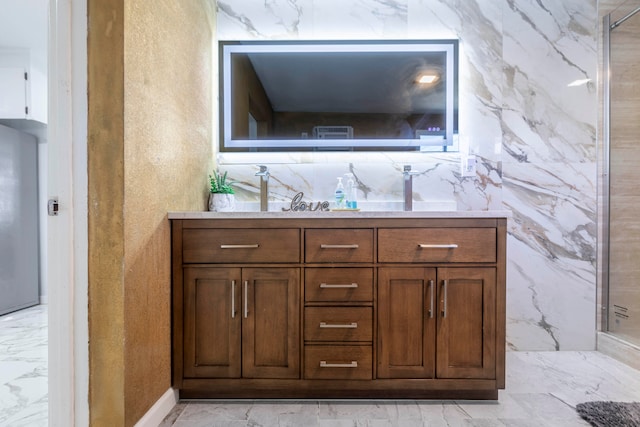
240 245
339 245
348 362
437 245
338 323
341 284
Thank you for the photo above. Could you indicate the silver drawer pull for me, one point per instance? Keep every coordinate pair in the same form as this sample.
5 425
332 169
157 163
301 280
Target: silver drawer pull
246 303
254 246
428 246
444 301
352 325
431 286
324 364
233 299
339 286
354 246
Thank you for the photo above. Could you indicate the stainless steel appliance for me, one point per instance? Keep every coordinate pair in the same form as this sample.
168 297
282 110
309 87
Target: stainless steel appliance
19 266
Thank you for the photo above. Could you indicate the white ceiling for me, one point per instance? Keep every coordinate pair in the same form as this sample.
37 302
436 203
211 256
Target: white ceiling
24 24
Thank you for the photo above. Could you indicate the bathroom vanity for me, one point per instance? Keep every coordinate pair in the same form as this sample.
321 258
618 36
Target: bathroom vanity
339 304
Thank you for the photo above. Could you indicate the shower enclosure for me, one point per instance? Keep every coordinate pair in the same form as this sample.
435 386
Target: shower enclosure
621 126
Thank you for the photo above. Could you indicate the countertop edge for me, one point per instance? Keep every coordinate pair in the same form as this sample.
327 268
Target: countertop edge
341 214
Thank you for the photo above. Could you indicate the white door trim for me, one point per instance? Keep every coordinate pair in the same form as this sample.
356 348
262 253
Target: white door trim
67 238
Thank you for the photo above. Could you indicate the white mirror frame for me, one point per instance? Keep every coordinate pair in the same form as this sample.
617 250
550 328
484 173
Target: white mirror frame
449 47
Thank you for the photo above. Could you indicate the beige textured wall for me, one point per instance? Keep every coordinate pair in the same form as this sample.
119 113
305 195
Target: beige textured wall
150 127
106 218
168 154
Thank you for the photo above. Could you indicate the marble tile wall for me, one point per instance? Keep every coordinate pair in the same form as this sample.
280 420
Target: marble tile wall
534 137
549 172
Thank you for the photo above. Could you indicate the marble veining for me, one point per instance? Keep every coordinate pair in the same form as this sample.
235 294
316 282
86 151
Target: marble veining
532 133
23 368
549 173
542 389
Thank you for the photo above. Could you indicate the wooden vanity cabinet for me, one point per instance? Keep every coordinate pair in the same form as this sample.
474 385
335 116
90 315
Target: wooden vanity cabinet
241 322
333 306
406 322
436 323
338 312
212 324
466 323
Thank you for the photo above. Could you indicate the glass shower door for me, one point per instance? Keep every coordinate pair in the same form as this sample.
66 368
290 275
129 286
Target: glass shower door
624 178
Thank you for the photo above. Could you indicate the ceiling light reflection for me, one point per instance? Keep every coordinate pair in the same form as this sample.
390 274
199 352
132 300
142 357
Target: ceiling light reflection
579 82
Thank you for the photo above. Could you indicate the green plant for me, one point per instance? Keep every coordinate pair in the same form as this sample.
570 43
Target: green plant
219 183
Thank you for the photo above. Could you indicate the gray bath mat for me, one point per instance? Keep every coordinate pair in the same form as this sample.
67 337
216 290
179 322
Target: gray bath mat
609 414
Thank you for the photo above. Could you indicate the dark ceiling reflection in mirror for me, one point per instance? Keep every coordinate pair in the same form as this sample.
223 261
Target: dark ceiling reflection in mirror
339 96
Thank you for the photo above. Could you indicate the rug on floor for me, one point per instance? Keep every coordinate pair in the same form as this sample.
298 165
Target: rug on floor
608 414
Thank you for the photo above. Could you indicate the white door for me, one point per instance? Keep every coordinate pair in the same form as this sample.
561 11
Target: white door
67 232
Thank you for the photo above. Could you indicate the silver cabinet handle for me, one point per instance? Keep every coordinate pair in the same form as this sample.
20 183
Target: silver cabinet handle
352 325
339 286
246 307
253 246
432 246
431 299
324 364
354 246
444 302
233 299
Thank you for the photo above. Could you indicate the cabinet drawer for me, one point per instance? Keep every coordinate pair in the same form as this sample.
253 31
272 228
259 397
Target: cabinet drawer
348 362
338 323
240 245
339 245
437 245
338 284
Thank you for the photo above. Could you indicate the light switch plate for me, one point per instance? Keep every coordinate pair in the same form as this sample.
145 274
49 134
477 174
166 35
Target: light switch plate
468 166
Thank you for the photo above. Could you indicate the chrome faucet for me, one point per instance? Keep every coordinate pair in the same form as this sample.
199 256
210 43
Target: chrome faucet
407 188
263 173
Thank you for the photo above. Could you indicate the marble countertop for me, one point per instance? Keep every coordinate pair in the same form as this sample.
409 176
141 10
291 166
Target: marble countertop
339 214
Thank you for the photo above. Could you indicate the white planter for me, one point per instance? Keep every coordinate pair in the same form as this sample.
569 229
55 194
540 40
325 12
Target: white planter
219 202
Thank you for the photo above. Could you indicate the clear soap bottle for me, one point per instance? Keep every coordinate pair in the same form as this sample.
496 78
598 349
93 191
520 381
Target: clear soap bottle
351 192
347 191
339 194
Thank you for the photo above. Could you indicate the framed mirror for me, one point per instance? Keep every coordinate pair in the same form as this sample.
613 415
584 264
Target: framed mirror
338 95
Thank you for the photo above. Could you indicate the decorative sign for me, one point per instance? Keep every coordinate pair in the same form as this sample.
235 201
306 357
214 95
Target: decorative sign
298 205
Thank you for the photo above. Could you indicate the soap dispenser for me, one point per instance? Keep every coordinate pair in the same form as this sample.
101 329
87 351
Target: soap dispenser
339 194
351 192
347 191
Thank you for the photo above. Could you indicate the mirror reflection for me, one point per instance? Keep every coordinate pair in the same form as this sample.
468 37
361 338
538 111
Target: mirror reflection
338 95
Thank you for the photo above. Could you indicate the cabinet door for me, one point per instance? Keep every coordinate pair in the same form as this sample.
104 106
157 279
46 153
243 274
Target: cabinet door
271 323
406 322
466 323
212 323
13 93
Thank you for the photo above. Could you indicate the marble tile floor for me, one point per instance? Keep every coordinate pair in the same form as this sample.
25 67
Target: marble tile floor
543 389
23 368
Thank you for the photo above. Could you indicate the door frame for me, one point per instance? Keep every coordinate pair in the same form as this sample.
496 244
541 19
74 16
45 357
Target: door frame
67 234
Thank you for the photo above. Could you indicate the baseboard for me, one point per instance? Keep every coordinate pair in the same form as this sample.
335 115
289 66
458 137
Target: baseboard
159 410
619 349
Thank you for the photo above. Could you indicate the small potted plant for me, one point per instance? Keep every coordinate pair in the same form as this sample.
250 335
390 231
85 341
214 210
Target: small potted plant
222 197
